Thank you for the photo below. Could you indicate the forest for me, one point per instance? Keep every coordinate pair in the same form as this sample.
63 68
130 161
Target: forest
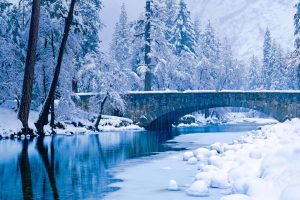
53 49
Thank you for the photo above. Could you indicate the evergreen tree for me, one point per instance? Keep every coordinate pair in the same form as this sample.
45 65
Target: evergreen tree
297 41
267 60
254 74
183 35
170 10
209 45
120 46
197 30
147 50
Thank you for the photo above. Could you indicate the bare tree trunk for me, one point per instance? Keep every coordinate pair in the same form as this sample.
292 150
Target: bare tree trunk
101 111
29 65
43 117
74 85
206 113
148 75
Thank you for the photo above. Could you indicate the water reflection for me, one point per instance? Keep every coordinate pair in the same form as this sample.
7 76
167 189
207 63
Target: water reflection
62 167
76 167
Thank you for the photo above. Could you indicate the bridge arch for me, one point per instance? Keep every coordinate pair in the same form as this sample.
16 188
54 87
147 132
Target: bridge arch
156 111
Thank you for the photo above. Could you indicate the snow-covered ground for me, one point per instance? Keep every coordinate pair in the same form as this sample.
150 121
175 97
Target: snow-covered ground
198 119
9 123
262 165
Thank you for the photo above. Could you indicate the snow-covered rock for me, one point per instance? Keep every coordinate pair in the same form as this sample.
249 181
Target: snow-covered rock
217 146
173 186
192 161
187 155
198 189
202 151
204 176
220 180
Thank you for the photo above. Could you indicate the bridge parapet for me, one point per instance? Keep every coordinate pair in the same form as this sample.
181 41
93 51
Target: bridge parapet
159 110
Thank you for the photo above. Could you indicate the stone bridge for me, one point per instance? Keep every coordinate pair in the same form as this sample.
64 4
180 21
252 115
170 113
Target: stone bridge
159 110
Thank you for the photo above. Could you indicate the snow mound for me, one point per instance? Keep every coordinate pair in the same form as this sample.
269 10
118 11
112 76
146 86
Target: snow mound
263 164
198 189
173 186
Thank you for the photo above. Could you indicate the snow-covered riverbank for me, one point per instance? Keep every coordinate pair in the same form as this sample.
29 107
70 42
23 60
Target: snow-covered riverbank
225 117
80 123
262 165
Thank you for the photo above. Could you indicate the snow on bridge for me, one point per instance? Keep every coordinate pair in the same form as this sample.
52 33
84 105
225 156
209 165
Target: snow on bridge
156 110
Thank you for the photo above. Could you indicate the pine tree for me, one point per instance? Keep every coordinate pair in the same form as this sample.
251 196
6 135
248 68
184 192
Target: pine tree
209 45
170 10
183 35
147 50
120 46
254 82
267 60
197 30
297 41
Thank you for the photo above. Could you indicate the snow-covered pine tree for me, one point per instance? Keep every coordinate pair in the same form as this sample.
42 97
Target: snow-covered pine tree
147 50
197 30
278 75
228 77
120 46
11 63
14 22
209 53
254 75
267 60
170 11
297 40
183 34
209 44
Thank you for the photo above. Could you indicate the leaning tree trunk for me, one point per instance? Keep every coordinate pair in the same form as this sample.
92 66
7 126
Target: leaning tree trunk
29 65
43 117
101 111
147 58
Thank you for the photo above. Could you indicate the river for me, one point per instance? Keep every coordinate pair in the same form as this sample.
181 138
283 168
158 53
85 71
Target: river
97 166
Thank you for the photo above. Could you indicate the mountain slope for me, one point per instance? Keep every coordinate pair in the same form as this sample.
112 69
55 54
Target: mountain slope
244 22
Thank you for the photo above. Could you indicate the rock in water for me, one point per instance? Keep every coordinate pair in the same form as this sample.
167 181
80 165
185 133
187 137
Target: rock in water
173 186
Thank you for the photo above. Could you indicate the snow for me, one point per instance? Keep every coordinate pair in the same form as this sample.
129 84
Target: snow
198 189
244 22
192 161
9 123
261 165
241 21
188 155
173 186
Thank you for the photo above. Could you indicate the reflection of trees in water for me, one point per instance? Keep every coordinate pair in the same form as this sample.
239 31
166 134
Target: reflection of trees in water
43 152
76 167
25 172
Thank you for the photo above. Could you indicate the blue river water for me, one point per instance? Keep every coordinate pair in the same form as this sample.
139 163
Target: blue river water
79 167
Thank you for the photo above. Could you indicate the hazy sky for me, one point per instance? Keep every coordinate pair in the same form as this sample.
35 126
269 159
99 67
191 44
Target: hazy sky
110 14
